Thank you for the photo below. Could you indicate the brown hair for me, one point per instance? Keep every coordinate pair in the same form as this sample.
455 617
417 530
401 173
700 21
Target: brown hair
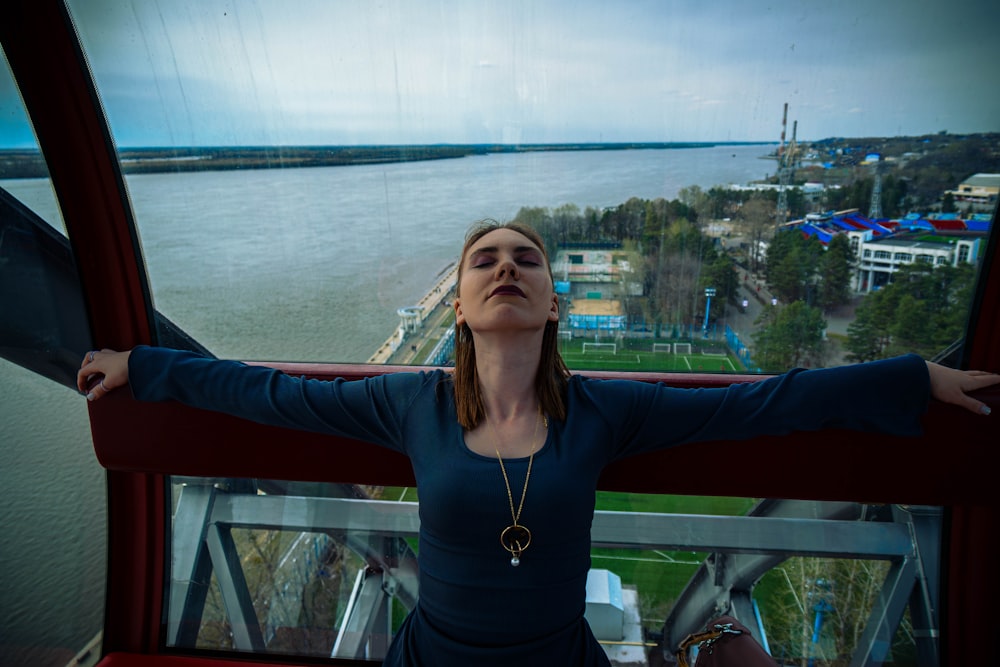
552 376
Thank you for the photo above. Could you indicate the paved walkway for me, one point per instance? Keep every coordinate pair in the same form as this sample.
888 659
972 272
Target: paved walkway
754 290
433 328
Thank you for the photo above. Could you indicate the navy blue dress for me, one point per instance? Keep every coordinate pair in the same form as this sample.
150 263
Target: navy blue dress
474 608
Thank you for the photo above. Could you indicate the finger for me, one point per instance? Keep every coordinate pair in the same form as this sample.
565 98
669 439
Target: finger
979 379
99 390
95 388
973 405
85 379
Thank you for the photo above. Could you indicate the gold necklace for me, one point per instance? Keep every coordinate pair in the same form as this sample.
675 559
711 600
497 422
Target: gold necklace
515 538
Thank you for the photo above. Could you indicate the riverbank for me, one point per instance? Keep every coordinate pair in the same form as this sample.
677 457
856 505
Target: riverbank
28 163
429 321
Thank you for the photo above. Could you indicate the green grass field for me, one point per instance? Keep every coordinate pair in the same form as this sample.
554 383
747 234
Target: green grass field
659 576
638 355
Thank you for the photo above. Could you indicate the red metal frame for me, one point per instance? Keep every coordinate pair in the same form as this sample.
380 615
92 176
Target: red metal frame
141 443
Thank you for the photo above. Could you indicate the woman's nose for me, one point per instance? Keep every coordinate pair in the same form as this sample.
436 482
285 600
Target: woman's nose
507 267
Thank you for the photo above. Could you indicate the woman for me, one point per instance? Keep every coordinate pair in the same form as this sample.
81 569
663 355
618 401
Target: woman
507 452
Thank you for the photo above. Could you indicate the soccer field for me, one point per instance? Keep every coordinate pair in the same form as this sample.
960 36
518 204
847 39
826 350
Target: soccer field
579 355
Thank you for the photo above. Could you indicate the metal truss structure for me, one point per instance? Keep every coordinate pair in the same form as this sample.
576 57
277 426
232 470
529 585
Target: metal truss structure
742 549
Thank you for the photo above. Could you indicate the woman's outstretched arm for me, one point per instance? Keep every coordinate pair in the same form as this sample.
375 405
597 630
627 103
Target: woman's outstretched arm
105 370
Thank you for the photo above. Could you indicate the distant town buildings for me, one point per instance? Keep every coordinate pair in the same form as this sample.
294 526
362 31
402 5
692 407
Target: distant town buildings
592 283
978 191
881 247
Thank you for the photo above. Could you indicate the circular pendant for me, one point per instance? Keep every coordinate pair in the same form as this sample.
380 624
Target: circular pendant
515 538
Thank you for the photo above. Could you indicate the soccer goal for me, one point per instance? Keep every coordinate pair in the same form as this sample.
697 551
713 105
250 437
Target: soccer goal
601 347
682 348
662 347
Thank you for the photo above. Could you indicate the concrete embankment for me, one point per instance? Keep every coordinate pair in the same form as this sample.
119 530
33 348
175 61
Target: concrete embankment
421 326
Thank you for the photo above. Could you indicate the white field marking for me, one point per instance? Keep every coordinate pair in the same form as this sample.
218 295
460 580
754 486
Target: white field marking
292 549
646 560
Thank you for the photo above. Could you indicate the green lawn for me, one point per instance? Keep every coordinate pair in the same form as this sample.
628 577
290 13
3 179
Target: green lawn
638 355
659 576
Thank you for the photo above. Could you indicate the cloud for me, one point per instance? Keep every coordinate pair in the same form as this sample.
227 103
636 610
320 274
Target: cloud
323 72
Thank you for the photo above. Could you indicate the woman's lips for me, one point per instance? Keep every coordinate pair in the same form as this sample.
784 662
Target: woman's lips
507 290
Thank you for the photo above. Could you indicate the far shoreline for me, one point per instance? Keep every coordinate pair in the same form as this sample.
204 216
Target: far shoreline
28 163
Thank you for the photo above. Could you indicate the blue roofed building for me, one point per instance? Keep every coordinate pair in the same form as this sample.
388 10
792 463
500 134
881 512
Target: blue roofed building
881 247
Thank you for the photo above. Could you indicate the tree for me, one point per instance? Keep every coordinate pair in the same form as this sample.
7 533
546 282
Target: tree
697 200
567 218
911 326
948 203
540 220
923 310
789 336
894 196
835 270
868 335
625 221
792 263
756 221
721 275
677 259
844 591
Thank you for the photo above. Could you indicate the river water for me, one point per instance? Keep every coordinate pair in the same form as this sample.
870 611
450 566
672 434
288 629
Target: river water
294 264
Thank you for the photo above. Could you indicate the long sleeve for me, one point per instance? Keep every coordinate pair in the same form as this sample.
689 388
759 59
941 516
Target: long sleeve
374 409
886 396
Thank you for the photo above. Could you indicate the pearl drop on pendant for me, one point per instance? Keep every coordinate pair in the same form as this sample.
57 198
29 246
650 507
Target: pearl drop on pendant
515 561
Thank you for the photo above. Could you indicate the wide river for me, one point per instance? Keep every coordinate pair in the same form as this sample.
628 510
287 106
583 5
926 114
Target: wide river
295 264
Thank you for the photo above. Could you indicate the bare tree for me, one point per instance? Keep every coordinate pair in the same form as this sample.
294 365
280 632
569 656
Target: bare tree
756 223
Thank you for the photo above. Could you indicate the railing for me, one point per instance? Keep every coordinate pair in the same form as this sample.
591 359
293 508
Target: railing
375 535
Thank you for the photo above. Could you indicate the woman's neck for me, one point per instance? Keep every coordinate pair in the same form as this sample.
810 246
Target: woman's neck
507 373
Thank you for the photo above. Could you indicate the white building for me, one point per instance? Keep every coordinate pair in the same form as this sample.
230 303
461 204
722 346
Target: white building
879 258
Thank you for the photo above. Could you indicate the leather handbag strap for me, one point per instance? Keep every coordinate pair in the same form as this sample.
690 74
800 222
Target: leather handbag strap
725 642
704 640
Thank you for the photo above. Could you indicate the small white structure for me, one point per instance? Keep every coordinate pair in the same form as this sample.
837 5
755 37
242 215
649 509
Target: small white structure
410 318
605 607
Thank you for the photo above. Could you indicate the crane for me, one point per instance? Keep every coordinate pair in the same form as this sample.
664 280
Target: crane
786 168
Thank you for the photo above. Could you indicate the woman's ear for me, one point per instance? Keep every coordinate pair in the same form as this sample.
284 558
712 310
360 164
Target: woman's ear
554 311
459 317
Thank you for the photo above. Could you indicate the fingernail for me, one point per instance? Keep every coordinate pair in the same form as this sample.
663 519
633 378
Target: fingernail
91 396
985 409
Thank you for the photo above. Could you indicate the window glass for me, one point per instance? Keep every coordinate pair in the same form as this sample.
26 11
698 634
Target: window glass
328 569
53 515
302 176
278 158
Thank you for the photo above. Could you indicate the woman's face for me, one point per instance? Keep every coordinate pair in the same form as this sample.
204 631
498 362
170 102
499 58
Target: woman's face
505 285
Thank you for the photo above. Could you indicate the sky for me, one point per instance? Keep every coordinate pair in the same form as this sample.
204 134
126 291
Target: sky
322 72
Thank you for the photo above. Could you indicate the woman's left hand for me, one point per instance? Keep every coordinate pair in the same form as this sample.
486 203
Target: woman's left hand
101 371
952 386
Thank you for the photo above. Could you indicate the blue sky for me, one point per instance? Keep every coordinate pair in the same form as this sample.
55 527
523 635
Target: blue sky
213 72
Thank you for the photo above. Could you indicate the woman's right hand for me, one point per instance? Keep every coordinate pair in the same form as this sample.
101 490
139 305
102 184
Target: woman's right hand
101 372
